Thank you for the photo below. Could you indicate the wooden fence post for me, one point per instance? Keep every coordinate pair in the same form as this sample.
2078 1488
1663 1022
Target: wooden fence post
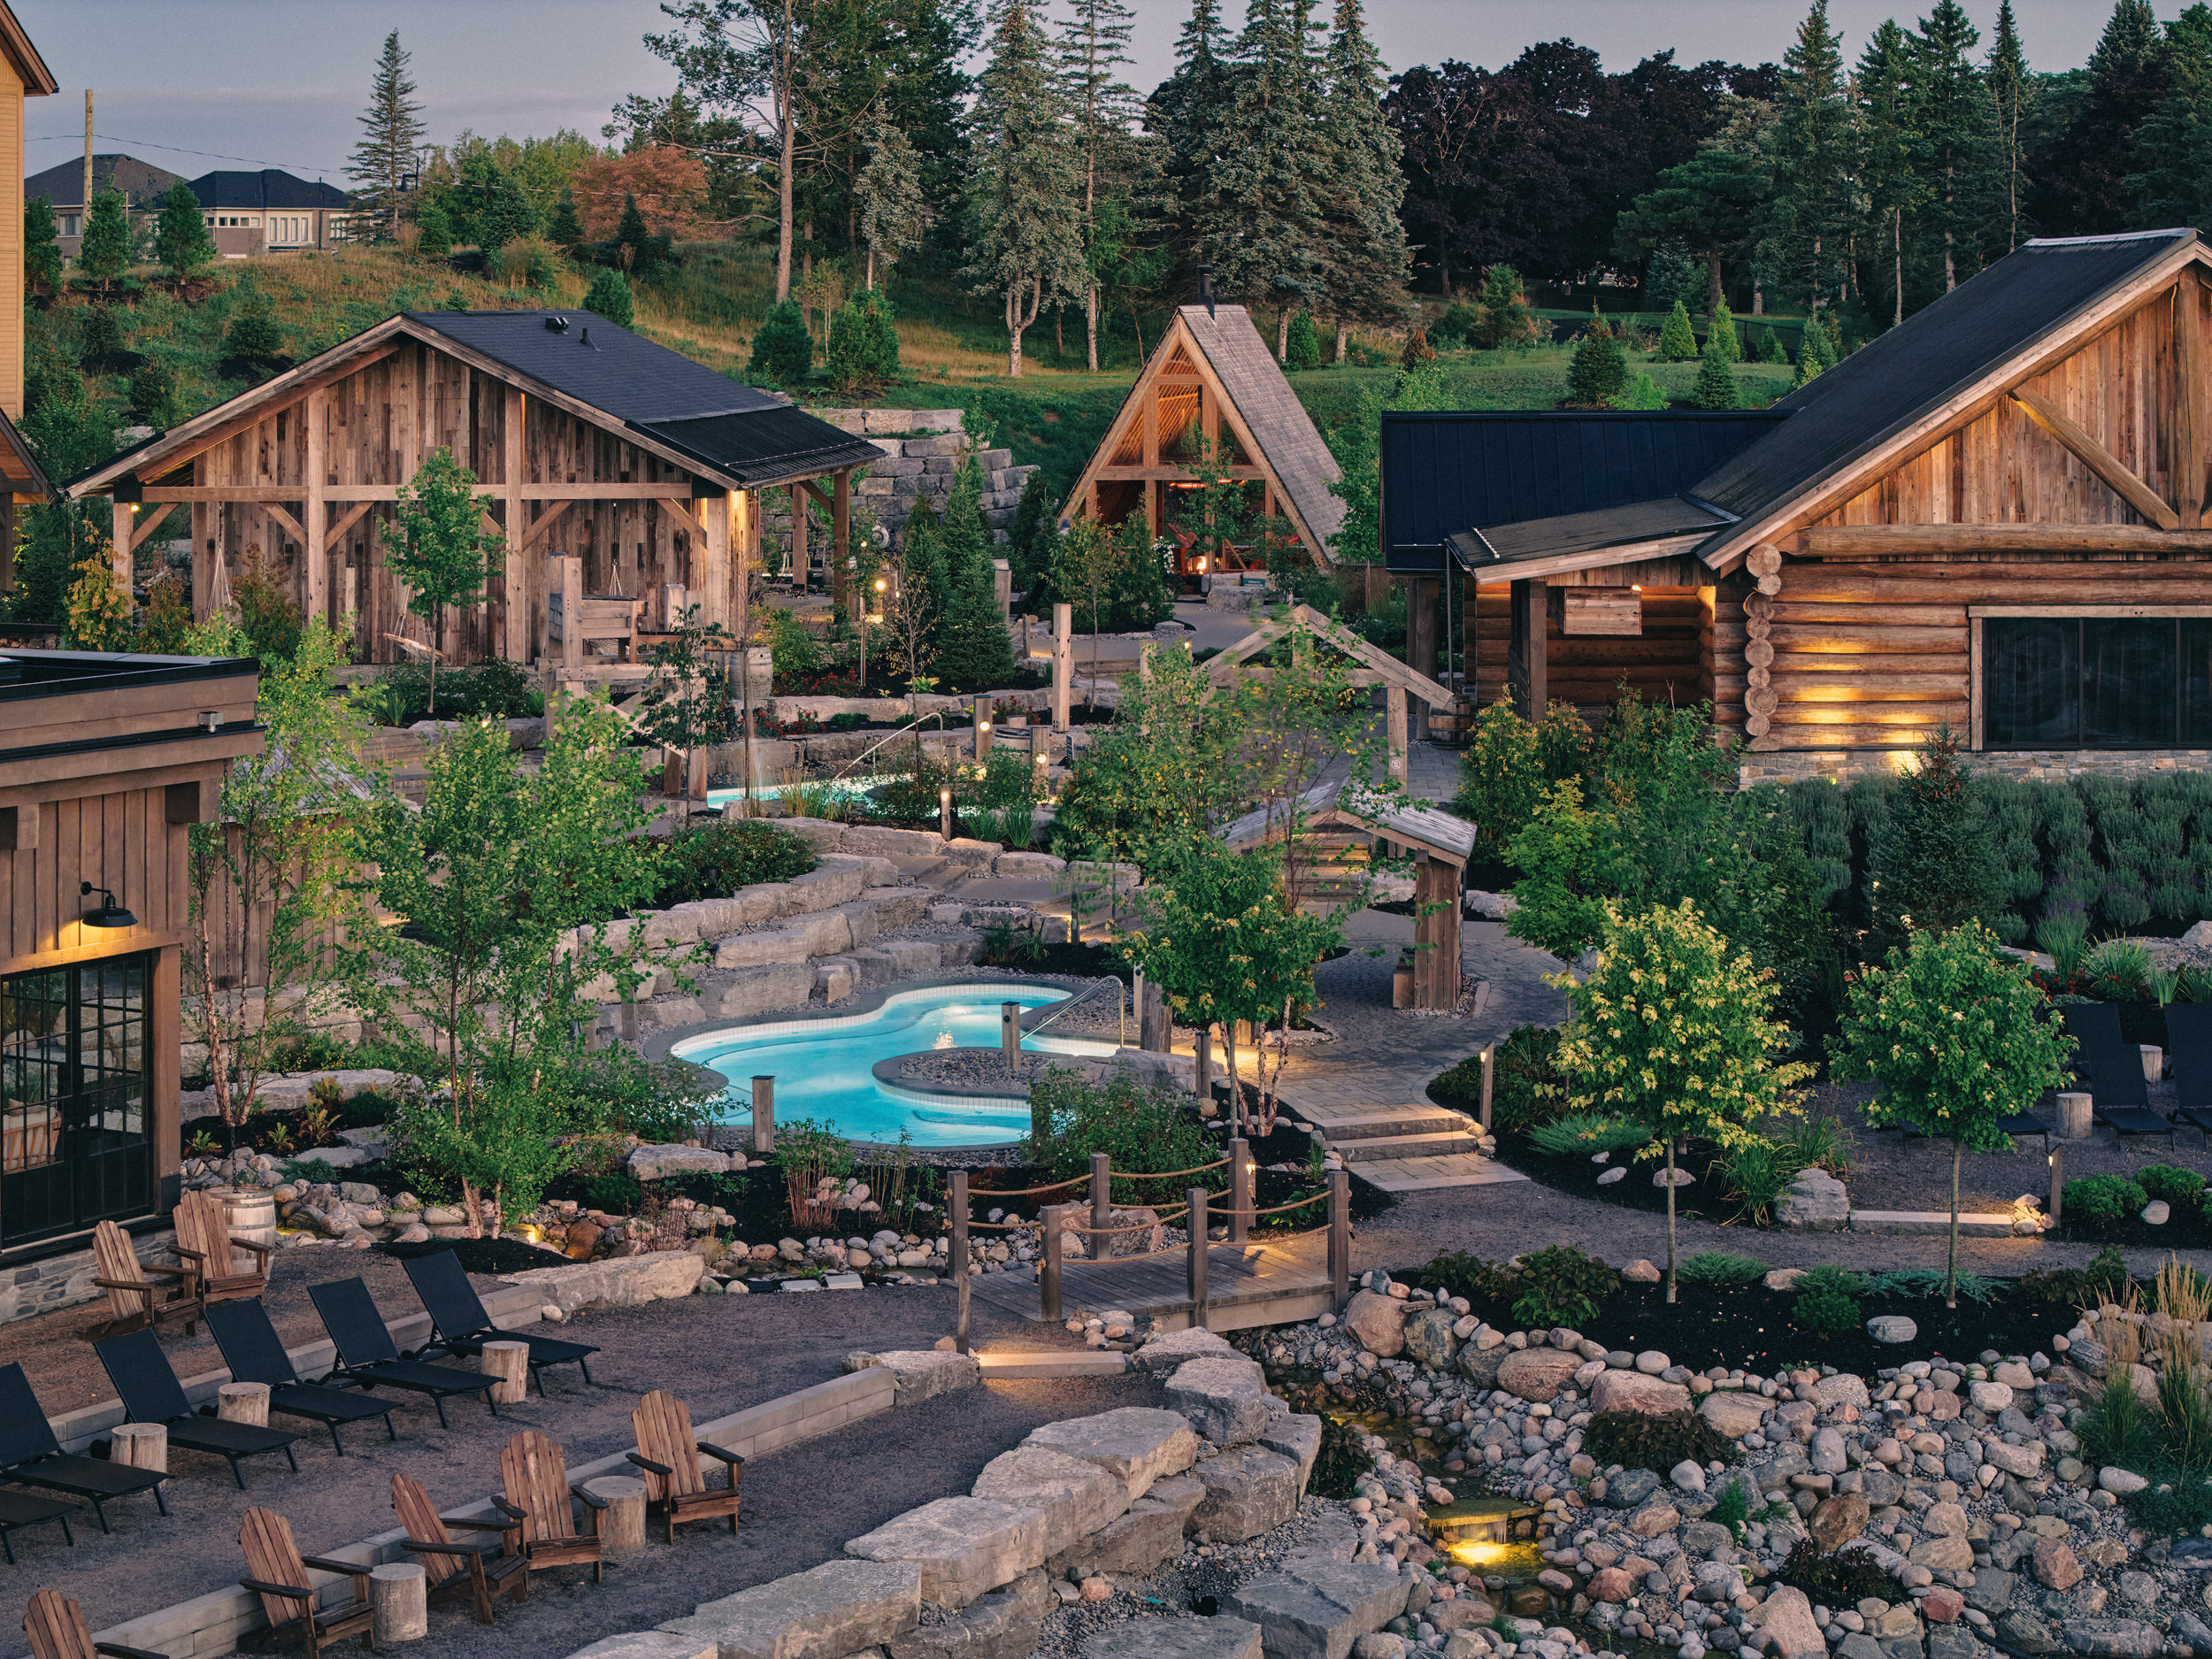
1197 1222
960 1255
1055 1247
1102 1205
763 1116
1339 1234
1240 1190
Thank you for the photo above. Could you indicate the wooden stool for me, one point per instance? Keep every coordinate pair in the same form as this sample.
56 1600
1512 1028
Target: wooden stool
399 1604
509 1362
142 1445
244 1402
622 1523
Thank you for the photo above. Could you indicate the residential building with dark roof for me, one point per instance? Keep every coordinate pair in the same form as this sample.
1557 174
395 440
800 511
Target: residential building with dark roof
270 211
142 183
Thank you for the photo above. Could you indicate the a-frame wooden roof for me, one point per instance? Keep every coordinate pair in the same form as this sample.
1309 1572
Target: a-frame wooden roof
1270 424
1343 806
1378 665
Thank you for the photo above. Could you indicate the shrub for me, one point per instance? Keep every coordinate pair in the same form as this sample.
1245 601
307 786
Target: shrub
309 1051
1343 1458
1927 1281
713 859
2182 1189
1597 373
1715 387
154 392
1721 1267
1636 1441
1560 1285
1827 1301
1643 392
1587 1133
2119 971
1731 1509
2102 1200
2105 1277
1834 1579
498 690
1469 1275
100 335
863 343
783 349
618 1192
609 296
254 334
1144 1130
1302 349
810 1156
433 233
1523 1085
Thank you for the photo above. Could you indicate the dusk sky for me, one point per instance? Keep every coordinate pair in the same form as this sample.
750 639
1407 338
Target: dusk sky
278 82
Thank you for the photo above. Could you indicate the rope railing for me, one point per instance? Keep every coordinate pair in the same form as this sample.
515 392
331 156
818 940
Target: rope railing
1169 1175
975 1193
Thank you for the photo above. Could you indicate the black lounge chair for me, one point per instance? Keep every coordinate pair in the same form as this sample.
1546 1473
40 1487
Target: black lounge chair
25 1508
151 1393
2189 1040
461 1326
31 1456
2018 1125
367 1356
255 1353
2119 1094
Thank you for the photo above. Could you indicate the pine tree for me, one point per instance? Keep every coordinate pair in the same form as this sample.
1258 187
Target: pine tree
1891 148
1670 274
894 211
2174 141
2081 171
42 257
1094 43
1263 217
433 233
1184 113
1722 335
253 336
864 344
1033 521
1715 387
1303 348
1502 316
1807 371
1770 348
105 250
1952 118
609 296
1678 339
2011 96
1025 211
922 557
564 230
1599 373
783 347
391 132
181 242
1813 206
1363 235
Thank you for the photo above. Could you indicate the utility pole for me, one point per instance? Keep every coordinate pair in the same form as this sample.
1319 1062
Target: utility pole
88 160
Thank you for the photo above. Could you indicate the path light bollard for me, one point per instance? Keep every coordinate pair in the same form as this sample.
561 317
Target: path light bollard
982 730
1009 1034
763 1116
1056 1251
2057 1161
1489 1070
960 1255
1102 1205
1197 1222
1240 1190
944 813
1339 1234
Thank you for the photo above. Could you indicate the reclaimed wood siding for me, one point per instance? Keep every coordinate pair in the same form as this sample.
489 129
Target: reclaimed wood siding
123 843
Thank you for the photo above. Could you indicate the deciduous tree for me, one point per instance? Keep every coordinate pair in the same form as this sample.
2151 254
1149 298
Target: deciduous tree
439 547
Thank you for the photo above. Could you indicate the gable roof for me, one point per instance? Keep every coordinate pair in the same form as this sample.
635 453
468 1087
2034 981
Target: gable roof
38 80
271 188
142 183
705 422
1345 804
1904 378
1451 471
1290 445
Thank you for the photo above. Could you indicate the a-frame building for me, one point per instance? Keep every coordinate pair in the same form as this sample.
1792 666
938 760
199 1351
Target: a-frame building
1211 387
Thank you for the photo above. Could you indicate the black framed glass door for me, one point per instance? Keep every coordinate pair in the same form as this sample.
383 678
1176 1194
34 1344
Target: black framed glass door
74 1116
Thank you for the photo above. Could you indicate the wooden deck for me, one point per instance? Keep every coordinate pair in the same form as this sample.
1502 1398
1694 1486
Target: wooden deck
1247 1285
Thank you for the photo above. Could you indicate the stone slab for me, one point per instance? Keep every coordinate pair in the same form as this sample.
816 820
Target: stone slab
1077 1497
1176 1639
1320 1607
924 1373
1225 1399
1297 1437
1164 1355
964 1547
824 1613
651 1644
1249 1490
1137 1444
624 1281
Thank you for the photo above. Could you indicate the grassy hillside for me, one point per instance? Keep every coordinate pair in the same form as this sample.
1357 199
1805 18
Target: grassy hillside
952 345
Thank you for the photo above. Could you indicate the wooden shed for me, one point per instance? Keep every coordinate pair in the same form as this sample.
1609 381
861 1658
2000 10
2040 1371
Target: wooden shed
1211 387
587 441
1991 517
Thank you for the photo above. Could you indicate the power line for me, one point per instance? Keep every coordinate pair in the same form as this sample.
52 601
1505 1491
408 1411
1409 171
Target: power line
146 143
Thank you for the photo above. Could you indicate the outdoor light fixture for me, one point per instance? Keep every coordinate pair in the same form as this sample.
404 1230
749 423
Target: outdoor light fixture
210 720
110 918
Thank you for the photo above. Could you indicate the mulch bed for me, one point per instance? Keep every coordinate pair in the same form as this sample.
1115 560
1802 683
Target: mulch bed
1573 1172
482 1255
2184 1231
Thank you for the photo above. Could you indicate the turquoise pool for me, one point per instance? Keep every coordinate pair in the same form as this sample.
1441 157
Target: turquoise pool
824 1068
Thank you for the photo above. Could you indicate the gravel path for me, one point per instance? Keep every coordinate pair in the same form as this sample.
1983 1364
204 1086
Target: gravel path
720 1353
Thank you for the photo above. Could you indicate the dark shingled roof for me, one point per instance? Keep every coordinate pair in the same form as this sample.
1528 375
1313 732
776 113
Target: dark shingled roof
739 431
271 188
142 183
1445 473
1900 377
1289 443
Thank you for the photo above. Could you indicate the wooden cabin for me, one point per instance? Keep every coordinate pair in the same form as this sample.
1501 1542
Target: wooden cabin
1210 388
107 762
1993 517
587 441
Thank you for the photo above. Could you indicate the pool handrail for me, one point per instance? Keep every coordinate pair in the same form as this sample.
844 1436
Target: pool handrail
1080 996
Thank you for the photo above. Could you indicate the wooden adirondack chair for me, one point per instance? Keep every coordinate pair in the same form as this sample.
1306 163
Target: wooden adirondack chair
668 1452
204 1244
279 1579
57 1631
133 1296
534 1472
475 1568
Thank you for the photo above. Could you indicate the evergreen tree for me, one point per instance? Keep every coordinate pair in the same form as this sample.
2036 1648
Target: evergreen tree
922 557
1599 373
783 347
1707 205
1678 339
609 296
1261 220
1670 274
564 230
2081 170
1722 335
1715 387
1811 215
154 392
1643 392
2011 96
41 258
1890 147
1951 115
1138 597
433 233
894 211
964 537
391 132
2174 141
1935 858
1502 316
105 250
181 242
1363 232
1304 351
864 344
1033 523
636 248
1025 211
1094 43
253 336
1768 347
1184 113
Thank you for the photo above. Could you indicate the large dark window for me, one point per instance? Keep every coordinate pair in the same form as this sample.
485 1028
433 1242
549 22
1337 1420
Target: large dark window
2097 682
73 1108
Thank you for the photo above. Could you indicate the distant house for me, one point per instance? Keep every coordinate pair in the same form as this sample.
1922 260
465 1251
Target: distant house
270 211
142 183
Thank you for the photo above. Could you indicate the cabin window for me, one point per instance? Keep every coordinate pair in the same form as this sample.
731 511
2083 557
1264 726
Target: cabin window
2096 682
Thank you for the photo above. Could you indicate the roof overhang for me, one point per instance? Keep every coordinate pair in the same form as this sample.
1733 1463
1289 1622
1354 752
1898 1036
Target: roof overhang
1338 805
38 79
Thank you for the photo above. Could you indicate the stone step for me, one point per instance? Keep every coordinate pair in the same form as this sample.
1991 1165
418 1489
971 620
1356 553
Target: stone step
1423 1174
1373 1148
1368 1122
1315 1608
835 1609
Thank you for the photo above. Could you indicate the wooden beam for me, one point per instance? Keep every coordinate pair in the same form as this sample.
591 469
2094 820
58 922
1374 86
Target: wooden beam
298 531
540 524
2076 438
148 523
799 527
1133 474
2190 413
1876 540
315 573
842 579
815 490
120 542
337 531
514 622
716 568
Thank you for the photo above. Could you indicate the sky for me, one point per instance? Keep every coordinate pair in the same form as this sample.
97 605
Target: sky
232 83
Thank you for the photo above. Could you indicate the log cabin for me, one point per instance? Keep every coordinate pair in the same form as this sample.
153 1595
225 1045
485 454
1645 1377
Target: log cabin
589 441
1991 518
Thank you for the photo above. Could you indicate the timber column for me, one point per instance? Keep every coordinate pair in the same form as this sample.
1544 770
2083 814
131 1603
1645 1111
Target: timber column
1421 602
718 508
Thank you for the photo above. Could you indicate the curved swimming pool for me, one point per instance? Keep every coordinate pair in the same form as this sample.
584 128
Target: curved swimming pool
825 1068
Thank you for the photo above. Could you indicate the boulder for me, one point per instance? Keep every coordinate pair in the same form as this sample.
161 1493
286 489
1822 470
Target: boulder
1611 1584
1816 1202
2024 1633
1297 1437
1943 1555
1892 1328
824 1613
2112 1638
1225 1399
964 1547
1630 1488
1538 1374
1429 1339
1162 1354
1634 1390
1992 1397
1136 1543
1249 1490
2054 1564
1378 1322
1315 1609
1842 1389
1481 1365
1138 1445
2023 1461
1732 1413
622 1282
919 1374
2120 1482
1077 1498
1785 1627
1217 1638
1005 1625
650 1644
1837 1520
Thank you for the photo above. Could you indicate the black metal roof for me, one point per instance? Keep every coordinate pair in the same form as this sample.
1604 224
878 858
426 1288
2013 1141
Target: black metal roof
1900 377
271 188
737 430
1448 471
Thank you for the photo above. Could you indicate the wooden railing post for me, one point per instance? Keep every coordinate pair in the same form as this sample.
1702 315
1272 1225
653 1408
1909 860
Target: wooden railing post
1339 1234
1240 1190
1055 1247
1102 1204
1197 1221
763 1116
960 1255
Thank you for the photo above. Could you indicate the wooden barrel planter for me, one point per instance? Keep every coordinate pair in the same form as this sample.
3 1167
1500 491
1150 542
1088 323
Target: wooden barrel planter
250 1214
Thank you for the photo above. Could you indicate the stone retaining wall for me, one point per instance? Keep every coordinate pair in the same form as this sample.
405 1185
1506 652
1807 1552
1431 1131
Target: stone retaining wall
65 1280
921 452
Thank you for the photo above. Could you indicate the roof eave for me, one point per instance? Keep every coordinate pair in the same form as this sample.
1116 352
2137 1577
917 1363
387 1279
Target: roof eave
38 79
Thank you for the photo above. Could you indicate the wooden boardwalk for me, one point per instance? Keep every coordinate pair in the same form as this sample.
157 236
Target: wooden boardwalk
1247 1284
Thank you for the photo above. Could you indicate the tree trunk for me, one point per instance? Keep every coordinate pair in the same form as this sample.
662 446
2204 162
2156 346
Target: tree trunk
790 136
1712 292
1343 339
1670 1218
1951 1275
1898 230
1282 335
1758 299
1090 327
